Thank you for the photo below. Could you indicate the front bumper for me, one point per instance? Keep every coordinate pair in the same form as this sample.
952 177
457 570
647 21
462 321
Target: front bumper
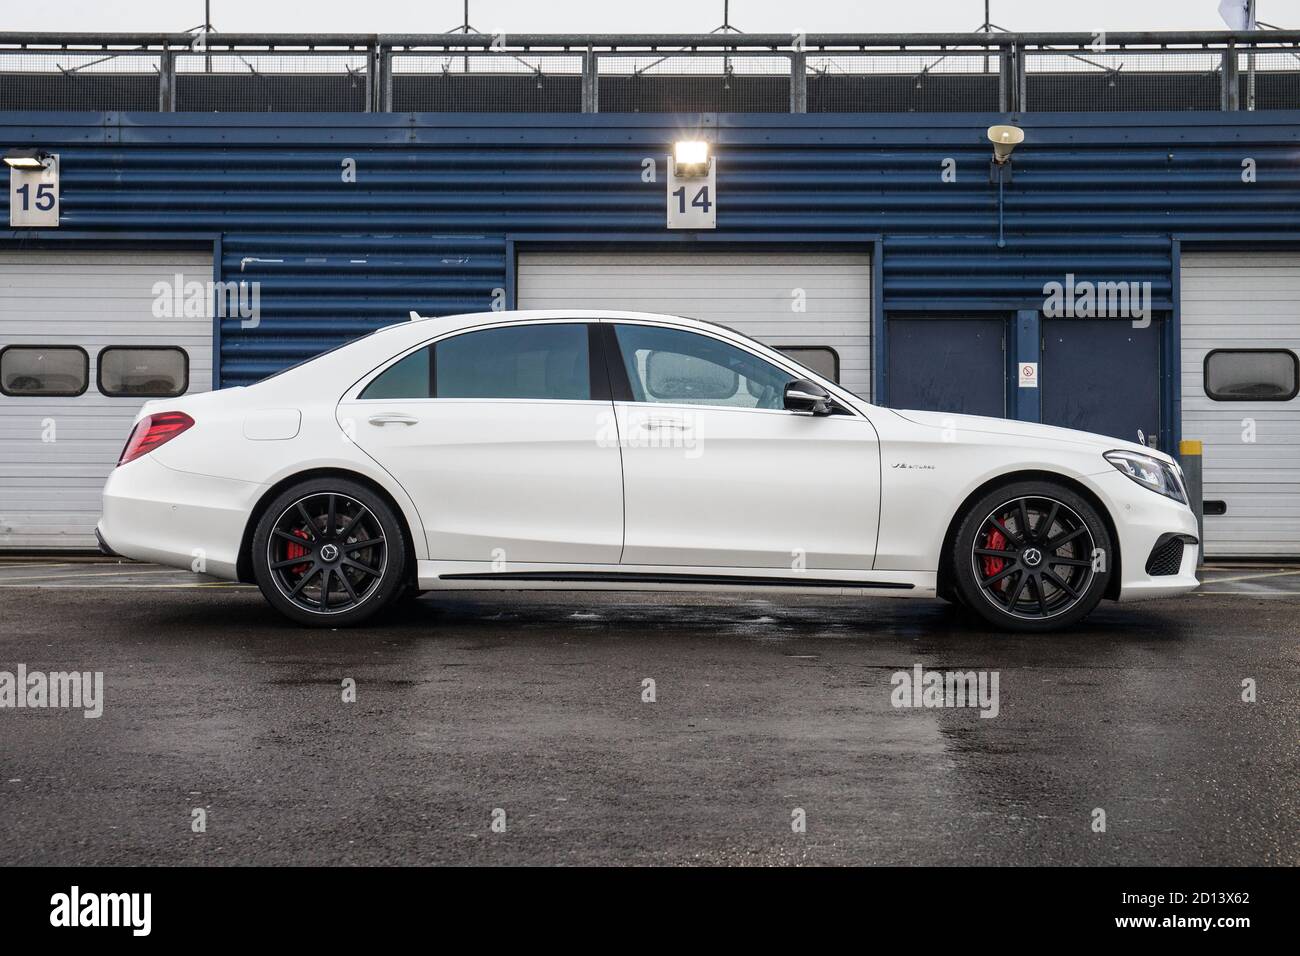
1142 519
175 518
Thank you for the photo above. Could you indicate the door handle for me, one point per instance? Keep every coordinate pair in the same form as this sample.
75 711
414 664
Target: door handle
664 423
393 419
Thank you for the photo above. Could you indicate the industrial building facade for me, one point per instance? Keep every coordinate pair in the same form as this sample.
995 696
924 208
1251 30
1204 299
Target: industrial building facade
1134 270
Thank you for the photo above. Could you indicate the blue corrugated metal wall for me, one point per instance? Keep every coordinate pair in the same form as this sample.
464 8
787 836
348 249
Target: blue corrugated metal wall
425 224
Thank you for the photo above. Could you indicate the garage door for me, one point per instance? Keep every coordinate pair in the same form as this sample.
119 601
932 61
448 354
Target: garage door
1241 325
816 305
81 348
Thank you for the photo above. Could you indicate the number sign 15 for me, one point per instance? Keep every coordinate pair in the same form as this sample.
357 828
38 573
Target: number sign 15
34 195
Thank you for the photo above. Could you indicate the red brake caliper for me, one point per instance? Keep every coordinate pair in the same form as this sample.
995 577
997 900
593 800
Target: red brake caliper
996 542
292 550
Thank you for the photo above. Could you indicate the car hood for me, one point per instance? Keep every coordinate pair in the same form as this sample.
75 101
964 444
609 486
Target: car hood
1029 432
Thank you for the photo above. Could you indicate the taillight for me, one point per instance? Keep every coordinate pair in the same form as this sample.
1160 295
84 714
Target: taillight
152 431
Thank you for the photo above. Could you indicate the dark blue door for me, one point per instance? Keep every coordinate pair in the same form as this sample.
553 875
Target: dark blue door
948 365
1103 376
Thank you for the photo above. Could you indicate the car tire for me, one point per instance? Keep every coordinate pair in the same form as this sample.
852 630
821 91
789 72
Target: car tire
1045 580
350 564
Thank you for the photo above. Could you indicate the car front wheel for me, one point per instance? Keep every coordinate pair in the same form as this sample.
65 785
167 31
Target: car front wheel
329 553
1032 556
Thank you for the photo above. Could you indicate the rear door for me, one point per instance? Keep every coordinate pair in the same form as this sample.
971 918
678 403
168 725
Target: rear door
505 439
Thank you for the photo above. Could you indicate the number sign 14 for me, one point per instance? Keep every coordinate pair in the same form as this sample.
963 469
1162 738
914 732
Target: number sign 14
692 200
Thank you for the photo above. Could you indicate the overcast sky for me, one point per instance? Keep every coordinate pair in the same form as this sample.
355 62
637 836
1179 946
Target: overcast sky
628 16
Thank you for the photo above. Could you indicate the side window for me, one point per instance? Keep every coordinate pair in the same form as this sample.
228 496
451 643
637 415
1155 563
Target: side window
822 359
1252 375
151 372
410 377
518 361
44 370
686 368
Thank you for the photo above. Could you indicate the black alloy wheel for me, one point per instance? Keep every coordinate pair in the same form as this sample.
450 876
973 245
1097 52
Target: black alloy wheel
1032 557
329 553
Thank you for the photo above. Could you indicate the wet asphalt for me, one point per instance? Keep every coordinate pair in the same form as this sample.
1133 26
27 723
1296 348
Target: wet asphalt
532 704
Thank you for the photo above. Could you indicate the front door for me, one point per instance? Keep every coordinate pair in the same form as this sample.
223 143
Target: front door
717 474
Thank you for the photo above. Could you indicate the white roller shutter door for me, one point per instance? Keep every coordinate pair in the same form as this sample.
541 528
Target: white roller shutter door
1243 300
55 453
779 298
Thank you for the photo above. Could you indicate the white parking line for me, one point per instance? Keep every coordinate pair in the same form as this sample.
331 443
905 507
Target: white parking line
1252 577
118 587
1250 594
80 574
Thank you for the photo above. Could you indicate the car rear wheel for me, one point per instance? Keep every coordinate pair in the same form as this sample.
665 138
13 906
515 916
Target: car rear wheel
1032 556
329 553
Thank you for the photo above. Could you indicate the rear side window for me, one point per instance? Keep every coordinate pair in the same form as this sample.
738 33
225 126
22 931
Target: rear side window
49 371
143 372
410 377
1252 375
520 361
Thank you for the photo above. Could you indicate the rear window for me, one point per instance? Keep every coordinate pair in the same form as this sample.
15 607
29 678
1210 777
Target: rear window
44 370
1252 375
143 371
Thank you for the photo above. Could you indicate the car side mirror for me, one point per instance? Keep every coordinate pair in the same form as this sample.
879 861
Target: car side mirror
802 395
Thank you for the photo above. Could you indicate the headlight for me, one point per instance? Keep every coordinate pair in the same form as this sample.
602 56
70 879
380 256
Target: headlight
1150 472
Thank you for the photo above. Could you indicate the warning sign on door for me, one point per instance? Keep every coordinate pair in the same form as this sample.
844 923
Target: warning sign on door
1028 374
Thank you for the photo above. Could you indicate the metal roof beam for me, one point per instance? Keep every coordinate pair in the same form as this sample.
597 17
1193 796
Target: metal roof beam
711 41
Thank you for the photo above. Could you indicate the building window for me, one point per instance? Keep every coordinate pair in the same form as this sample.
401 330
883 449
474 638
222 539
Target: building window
48 371
1252 375
128 371
822 359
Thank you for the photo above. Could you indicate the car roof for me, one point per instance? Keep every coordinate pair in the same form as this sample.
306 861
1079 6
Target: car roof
475 318
467 320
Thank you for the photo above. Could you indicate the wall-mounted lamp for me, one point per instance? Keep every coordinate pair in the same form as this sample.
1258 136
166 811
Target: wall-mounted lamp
1004 139
26 158
691 158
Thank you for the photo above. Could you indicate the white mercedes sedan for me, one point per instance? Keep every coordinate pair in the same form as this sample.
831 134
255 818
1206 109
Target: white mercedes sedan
623 450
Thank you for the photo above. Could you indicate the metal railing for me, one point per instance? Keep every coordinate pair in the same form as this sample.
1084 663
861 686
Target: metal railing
726 72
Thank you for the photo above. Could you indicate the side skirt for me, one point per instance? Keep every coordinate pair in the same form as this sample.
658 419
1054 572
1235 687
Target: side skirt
668 578
458 575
